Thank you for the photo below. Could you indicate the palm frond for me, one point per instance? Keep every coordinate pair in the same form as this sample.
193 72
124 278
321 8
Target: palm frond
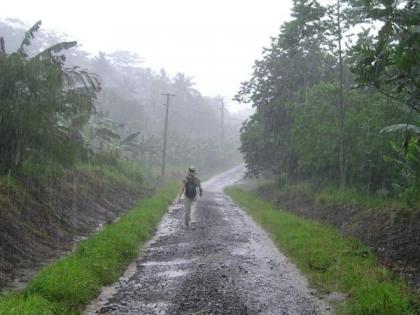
402 128
55 49
130 138
29 35
76 77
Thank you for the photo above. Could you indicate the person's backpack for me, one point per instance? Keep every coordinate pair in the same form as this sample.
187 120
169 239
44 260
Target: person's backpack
190 188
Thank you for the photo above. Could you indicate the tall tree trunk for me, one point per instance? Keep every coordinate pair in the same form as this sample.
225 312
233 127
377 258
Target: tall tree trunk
342 153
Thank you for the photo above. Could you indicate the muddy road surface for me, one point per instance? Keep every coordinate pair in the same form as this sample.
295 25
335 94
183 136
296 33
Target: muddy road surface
222 264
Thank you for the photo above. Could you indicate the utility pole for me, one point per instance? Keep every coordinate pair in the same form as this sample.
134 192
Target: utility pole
2 45
168 95
222 124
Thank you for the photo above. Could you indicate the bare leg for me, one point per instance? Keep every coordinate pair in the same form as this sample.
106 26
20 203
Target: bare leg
187 218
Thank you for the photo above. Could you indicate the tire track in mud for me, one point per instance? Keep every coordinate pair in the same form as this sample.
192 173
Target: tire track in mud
223 264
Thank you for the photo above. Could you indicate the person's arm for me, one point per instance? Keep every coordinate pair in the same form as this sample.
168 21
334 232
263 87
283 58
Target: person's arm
199 188
181 191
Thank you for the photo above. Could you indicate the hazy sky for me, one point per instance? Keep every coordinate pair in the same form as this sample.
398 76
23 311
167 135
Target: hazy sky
214 41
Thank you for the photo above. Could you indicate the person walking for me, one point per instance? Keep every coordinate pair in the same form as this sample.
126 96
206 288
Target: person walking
189 187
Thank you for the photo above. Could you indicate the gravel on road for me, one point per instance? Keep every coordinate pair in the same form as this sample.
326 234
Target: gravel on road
223 263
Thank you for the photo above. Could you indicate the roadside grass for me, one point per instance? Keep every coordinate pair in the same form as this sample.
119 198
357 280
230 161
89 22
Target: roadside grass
30 304
67 285
333 195
332 262
129 173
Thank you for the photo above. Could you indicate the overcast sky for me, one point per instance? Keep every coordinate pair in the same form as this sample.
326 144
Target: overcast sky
214 41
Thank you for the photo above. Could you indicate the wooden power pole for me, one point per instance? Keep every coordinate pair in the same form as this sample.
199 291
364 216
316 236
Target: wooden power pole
222 124
2 46
165 133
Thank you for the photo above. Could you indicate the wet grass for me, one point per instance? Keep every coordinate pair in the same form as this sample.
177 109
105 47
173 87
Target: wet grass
332 262
335 196
332 195
30 304
129 173
67 285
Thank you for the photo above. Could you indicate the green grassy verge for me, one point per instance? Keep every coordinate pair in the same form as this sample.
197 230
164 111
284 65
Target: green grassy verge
129 173
333 195
332 262
67 285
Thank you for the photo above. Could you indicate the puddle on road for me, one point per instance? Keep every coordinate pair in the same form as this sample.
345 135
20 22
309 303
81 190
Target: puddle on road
168 263
157 307
240 250
180 247
221 199
172 273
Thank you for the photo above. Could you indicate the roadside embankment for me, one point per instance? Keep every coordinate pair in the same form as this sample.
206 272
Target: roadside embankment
333 263
390 230
40 219
67 285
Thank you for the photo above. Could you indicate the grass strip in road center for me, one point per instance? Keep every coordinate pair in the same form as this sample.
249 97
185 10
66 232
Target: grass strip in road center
67 285
331 261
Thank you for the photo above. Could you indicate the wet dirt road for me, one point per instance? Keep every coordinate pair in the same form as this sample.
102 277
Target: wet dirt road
223 264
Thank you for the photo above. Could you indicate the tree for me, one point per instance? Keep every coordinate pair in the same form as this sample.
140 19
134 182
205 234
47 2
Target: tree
389 60
338 26
41 100
297 59
131 96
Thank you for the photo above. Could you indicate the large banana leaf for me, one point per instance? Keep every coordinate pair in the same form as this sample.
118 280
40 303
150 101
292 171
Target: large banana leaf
107 134
76 77
402 128
130 138
56 49
29 35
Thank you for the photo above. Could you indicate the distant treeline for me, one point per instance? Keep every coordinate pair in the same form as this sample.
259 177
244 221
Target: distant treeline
337 98
60 105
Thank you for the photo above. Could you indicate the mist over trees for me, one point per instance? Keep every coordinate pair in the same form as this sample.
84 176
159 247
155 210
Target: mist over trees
115 110
336 98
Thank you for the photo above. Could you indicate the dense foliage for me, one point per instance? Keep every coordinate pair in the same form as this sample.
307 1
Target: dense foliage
40 101
54 112
328 110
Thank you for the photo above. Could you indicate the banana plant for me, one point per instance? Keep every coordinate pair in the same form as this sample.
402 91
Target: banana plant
410 131
407 158
101 135
42 103
407 128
